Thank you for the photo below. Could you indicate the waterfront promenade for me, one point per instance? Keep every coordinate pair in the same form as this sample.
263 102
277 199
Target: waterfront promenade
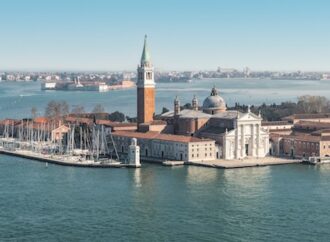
248 162
220 164
228 164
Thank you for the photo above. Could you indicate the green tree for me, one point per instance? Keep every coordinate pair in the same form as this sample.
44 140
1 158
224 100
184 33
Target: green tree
77 109
98 109
56 110
165 110
117 117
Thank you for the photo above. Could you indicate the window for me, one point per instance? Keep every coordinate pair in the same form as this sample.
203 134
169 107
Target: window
149 75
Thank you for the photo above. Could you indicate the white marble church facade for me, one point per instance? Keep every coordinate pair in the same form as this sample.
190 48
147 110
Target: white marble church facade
247 139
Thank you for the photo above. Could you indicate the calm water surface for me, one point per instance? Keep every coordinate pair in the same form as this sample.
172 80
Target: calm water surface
16 99
155 203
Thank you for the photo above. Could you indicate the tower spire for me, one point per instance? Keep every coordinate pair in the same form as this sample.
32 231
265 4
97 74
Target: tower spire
145 58
145 88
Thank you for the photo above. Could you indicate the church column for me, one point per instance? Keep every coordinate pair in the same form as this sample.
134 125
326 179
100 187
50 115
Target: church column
236 142
242 141
258 139
252 140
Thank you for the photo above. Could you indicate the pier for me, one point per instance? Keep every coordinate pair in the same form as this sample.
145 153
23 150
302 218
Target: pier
63 161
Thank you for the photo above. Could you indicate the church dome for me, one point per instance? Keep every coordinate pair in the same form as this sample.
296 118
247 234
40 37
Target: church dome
214 103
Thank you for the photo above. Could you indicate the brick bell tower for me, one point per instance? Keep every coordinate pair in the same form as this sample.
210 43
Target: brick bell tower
145 88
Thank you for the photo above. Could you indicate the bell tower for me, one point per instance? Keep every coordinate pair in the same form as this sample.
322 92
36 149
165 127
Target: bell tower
145 88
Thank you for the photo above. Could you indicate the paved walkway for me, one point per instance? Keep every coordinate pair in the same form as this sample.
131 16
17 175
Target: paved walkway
248 162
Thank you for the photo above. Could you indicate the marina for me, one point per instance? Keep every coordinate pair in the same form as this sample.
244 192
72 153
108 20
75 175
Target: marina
63 160
84 146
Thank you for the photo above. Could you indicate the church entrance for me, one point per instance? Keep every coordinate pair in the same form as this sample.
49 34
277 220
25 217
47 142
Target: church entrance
246 149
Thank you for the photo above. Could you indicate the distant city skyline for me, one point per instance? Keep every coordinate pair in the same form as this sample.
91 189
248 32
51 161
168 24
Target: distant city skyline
100 35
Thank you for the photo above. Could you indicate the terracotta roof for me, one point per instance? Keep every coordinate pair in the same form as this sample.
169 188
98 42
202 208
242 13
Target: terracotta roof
307 138
10 122
158 122
41 120
307 116
322 131
78 120
157 136
187 113
104 122
231 114
118 124
312 125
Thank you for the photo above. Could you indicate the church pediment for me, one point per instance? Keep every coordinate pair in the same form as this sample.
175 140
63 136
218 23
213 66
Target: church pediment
249 117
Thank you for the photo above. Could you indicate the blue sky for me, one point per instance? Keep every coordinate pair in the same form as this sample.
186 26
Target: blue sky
182 35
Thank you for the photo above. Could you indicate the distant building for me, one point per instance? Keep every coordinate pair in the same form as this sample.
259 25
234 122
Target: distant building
308 136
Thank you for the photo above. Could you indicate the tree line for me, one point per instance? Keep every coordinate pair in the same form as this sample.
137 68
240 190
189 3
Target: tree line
275 112
55 110
271 112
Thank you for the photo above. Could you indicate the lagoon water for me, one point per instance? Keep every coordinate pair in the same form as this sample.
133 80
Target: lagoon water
155 203
16 99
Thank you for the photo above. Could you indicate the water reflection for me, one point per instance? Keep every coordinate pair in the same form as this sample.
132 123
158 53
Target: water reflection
247 177
199 175
137 177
